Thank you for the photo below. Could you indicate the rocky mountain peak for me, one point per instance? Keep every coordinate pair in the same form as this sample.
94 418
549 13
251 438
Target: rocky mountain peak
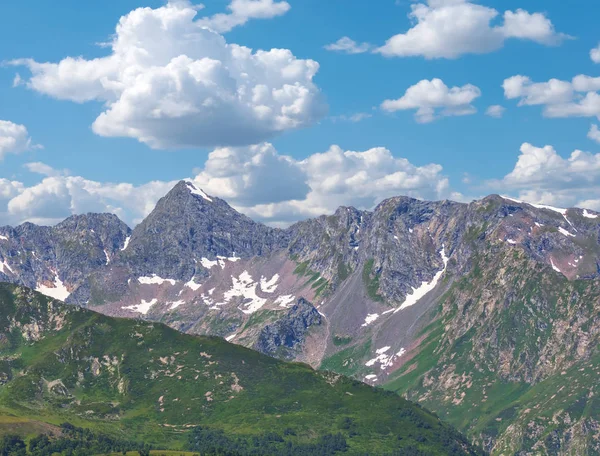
91 221
198 192
188 225
186 190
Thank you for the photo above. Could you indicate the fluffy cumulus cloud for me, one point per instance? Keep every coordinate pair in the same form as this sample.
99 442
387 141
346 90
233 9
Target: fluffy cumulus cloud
252 175
58 196
451 28
594 133
595 54
496 111
316 185
257 180
579 97
433 99
542 176
8 190
14 139
241 11
171 81
348 46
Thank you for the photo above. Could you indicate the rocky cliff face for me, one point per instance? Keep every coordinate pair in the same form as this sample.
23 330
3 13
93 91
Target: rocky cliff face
286 337
188 225
57 260
440 301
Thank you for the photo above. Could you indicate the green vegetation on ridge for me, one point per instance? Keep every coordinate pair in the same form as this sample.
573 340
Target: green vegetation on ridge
514 369
149 383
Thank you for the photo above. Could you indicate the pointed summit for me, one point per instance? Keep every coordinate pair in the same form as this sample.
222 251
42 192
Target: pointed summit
188 225
197 191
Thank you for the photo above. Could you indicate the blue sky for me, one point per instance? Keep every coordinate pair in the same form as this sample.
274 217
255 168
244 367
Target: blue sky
485 148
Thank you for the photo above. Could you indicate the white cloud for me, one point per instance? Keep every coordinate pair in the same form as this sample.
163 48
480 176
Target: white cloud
354 118
433 99
552 92
577 98
169 82
535 27
595 54
451 28
57 197
252 175
241 11
348 46
316 185
14 139
496 111
542 176
583 83
17 81
9 189
256 180
594 133
44 169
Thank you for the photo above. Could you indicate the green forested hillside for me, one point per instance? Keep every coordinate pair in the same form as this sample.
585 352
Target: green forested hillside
139 381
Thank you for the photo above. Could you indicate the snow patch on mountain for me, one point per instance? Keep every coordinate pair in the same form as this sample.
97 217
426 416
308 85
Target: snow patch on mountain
5 267
245 287
220 261
539 206
143 308
370 318
208 264
285 300
196 191
176 304
425 287
589 215
3 238
155 280
58 291
554 266
193 285
383 359
126 243
565 232
269 286
559 210
210 302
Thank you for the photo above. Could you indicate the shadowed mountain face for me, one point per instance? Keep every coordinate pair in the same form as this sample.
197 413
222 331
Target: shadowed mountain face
57 259
154 384
188 225
437 300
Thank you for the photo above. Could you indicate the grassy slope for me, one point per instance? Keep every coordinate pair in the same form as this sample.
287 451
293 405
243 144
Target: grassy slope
477 388
146 381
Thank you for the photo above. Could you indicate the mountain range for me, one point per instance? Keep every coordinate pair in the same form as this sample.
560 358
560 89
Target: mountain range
487 313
